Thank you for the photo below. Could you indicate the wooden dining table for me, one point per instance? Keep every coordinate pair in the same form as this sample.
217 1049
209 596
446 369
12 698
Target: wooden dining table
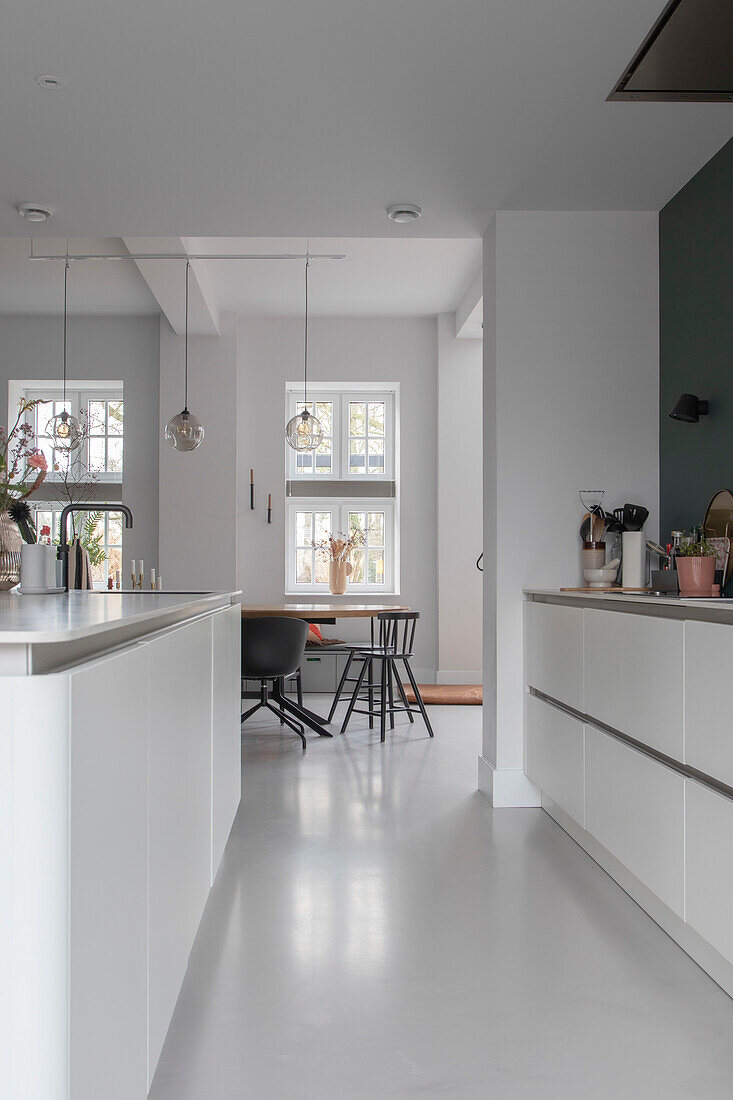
323 614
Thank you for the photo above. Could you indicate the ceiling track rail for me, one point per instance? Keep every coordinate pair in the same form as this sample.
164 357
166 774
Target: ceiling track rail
143 257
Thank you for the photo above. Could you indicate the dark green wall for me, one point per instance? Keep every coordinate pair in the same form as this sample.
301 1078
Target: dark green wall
696 341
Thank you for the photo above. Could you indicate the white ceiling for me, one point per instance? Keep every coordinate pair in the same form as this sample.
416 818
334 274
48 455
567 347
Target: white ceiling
31 286
275 117
378 277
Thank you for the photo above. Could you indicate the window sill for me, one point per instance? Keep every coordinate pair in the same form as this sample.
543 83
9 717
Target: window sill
318 593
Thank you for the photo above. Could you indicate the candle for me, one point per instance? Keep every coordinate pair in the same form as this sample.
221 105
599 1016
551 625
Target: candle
152 578
269 500
251 476
132 567
142 569
159 585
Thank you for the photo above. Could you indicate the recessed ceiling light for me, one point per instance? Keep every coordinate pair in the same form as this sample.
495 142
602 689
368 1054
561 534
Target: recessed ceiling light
35 211
404 212
46 80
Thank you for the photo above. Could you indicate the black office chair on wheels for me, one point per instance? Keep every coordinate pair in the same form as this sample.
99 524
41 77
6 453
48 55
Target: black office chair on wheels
393 646
272 650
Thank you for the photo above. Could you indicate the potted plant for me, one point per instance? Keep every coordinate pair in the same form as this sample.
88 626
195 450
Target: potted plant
695 560
20 462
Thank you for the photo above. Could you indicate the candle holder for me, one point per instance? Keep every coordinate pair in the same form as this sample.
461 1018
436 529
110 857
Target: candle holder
252 489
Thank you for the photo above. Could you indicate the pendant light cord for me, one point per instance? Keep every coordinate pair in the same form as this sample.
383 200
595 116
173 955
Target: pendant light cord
185 383
305 354
66 299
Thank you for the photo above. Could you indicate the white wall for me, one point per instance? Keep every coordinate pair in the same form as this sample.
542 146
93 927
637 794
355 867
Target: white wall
340 350
198 489
573 354
105 348
460 505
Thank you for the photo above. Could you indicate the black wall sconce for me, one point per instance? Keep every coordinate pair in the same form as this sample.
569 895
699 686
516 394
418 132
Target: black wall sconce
688 408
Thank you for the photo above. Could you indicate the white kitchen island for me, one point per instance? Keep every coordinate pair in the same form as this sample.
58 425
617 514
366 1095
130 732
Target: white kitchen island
119 781
629 737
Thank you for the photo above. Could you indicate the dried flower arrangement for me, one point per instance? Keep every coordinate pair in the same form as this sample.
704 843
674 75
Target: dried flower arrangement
339 548
19 458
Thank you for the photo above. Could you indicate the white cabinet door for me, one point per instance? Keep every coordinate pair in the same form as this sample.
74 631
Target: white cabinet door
634 668
179 844
554 755
709 882
635 808
226 735
708 722
553 651
108 878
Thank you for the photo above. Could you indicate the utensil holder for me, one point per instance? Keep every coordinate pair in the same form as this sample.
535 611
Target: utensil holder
633 564
593 555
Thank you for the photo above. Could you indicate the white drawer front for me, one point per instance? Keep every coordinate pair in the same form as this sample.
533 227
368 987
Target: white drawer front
634 677
708 723
709 885
553 651
635 808
554 756
318 673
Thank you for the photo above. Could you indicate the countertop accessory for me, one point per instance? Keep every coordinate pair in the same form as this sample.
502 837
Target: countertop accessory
65 430
37 567
39 591
593 555
635 516
633 569
689 408
304 432
184 432
657 549
603 577
718 522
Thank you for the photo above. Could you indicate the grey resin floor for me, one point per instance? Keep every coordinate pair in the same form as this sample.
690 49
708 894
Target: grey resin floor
377 930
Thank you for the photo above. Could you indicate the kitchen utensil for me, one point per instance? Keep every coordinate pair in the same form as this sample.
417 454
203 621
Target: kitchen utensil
601 517
593 555
718 521
635 516
633 569
657 549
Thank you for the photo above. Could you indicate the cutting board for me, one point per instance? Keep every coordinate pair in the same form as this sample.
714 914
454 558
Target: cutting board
610 588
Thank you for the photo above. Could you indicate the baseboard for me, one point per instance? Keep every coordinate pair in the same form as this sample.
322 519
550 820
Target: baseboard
706 957
422 675
506 787
459 677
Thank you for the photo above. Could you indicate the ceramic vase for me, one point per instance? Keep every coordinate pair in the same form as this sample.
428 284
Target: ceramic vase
11 541
696 576
338 574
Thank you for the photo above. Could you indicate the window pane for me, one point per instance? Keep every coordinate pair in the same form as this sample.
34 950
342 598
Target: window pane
304 461
303 566
376 456
357 418
114 454
323 462
115 561
324 413
356 456
322 570
376 418
303 528
376 529
96 454
323 526
375 566
115 417
357 523
357 560
97 417
115 529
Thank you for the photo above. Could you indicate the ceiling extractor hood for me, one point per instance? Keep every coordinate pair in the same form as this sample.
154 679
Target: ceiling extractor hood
687 55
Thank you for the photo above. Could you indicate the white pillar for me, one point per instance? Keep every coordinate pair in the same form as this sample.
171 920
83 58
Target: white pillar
571 374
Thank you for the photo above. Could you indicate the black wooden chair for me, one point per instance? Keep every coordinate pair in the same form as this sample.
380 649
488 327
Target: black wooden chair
272 650
396 640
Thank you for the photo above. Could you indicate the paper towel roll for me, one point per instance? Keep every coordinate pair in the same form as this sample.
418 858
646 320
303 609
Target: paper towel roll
633 568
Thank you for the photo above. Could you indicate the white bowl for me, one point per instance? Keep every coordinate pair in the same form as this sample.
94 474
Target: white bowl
601 578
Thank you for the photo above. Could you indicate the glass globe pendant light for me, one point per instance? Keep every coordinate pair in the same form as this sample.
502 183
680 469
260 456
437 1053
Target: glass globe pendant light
304 432
64 429
184 431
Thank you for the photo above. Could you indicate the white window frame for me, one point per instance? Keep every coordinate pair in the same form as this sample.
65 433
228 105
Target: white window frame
339 509
340 398
78 395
